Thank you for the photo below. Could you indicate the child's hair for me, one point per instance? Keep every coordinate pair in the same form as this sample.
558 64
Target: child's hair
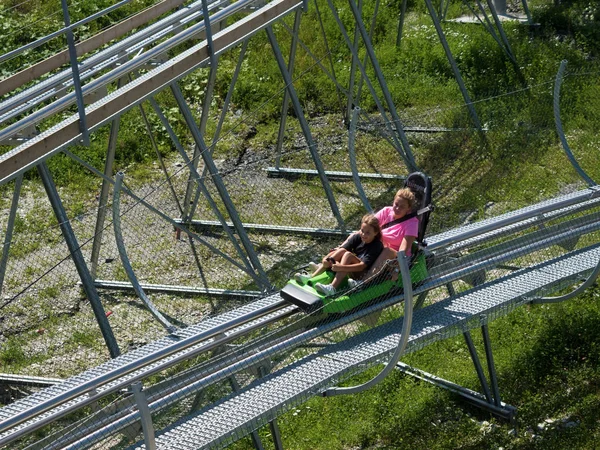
373 222
407 195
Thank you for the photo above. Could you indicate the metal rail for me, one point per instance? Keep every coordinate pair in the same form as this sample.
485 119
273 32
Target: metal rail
93 384
116 55
118 102
511 218
90 385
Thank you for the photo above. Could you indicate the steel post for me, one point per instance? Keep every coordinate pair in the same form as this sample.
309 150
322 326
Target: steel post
218 181
159 156
76 78
103 200
499 6
412 167
9 228
222 222
78 260
478 367
208 96
371 29
352 156
401 23
490 28
286 94
397 145
145 415
490 361
305 128
230 93
351 99
452 62
527 13
500 27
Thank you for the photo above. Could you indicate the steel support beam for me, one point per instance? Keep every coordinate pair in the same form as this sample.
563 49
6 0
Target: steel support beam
352 156
103 200
10 225
78 260
491 367
145 415
159 157
398 125
501 29
397 145
312 146
286 94
76 79
201 188
478 367
457 75
352 81
401 23
218 181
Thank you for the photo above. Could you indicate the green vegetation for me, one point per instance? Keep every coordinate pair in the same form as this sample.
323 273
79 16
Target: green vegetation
547 357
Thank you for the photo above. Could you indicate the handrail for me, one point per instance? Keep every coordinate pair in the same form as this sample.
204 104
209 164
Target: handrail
116 209
404 334
593 193
582 287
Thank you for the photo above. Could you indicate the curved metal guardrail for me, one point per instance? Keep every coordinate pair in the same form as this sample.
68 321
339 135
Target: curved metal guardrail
116 208
404 335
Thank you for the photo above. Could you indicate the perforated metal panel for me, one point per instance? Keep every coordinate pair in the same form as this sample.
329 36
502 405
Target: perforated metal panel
263 400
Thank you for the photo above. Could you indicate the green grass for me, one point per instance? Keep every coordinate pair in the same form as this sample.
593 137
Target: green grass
547 357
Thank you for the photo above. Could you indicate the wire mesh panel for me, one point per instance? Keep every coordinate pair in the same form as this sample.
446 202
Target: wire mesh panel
230 324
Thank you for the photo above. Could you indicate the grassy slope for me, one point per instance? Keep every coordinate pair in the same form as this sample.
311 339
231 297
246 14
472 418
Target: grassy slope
546 357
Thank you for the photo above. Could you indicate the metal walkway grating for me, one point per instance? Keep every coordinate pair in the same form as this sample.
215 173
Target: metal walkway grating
240 413
35 399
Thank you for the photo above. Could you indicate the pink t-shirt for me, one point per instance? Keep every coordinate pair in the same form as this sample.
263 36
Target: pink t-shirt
392 236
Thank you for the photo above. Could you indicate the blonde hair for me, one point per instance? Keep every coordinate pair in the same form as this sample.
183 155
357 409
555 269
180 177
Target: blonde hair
407 195
373 222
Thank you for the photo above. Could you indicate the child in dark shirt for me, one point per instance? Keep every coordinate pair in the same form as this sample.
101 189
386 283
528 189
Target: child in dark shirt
355 256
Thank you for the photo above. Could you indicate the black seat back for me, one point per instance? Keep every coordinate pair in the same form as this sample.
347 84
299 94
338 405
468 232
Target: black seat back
420 185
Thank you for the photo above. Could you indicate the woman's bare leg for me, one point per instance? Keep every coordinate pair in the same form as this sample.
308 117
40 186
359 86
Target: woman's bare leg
386 253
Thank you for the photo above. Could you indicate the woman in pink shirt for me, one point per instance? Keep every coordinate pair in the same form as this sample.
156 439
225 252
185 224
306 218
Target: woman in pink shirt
401 235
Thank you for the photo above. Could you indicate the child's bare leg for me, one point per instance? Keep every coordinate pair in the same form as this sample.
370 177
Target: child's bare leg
336 254
347 258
